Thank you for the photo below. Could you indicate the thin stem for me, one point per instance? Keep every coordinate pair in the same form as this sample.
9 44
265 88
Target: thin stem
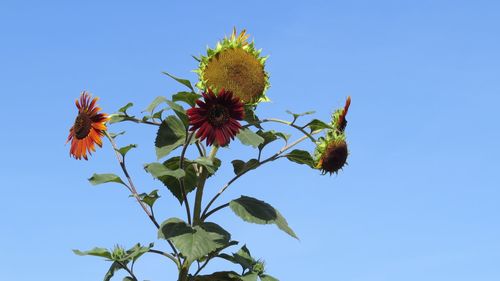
133 190
135 120
131 185
214 210
271 158
166 255
181 166
201 186
289 124
128 270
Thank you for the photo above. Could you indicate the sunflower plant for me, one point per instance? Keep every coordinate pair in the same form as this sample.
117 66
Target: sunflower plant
207 119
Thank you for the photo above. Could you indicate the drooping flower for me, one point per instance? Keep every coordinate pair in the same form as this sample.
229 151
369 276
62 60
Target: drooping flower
235 65
88 128
333 157
331 150
216 117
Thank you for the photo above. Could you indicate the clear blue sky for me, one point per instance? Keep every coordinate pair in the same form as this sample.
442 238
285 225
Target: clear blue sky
418 201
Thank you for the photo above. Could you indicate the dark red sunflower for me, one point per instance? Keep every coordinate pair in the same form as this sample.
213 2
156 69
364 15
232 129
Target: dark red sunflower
216 117
88 128
334 157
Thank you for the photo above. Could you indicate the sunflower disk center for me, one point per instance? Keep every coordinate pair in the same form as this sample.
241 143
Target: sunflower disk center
82 126
218 116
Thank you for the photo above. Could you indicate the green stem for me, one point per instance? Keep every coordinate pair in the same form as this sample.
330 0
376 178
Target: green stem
290 124
184 271
201 186
271 158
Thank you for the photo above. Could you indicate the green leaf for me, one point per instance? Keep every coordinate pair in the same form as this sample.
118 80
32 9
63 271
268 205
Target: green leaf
317 125
240 166
124 108
170 136
187 97
244 258
150 198
265 277
193 242
116 117
250 116
184 82
115 266
128 278
114 135
158 170
211 165
256 211
172 183
219 276
179 111
247 137
105 178
250 277
137 251
97 252
152 106
123 151
297 115
270 136
301 157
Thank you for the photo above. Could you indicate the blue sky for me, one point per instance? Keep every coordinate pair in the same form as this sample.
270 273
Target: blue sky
418 201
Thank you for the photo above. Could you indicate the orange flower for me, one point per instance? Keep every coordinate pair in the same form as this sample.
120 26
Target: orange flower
88 128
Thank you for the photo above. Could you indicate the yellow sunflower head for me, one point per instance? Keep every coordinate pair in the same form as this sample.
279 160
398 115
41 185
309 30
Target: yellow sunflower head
236 66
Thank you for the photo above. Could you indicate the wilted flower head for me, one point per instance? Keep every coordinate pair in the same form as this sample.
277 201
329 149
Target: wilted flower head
216 117
235 65
88 128
331 150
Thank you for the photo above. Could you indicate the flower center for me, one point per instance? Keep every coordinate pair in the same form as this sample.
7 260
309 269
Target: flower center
218 115
82 126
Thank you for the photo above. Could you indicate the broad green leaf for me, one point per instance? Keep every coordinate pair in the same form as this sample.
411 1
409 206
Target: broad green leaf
158 170
247 137
123 150
124 108
240 166
317 125
184 82
187 97
152 106
301 157
193 242
219 276
172 183
105 178
270 136
265 277
256 211
150 198
170 136
179 111
98 252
